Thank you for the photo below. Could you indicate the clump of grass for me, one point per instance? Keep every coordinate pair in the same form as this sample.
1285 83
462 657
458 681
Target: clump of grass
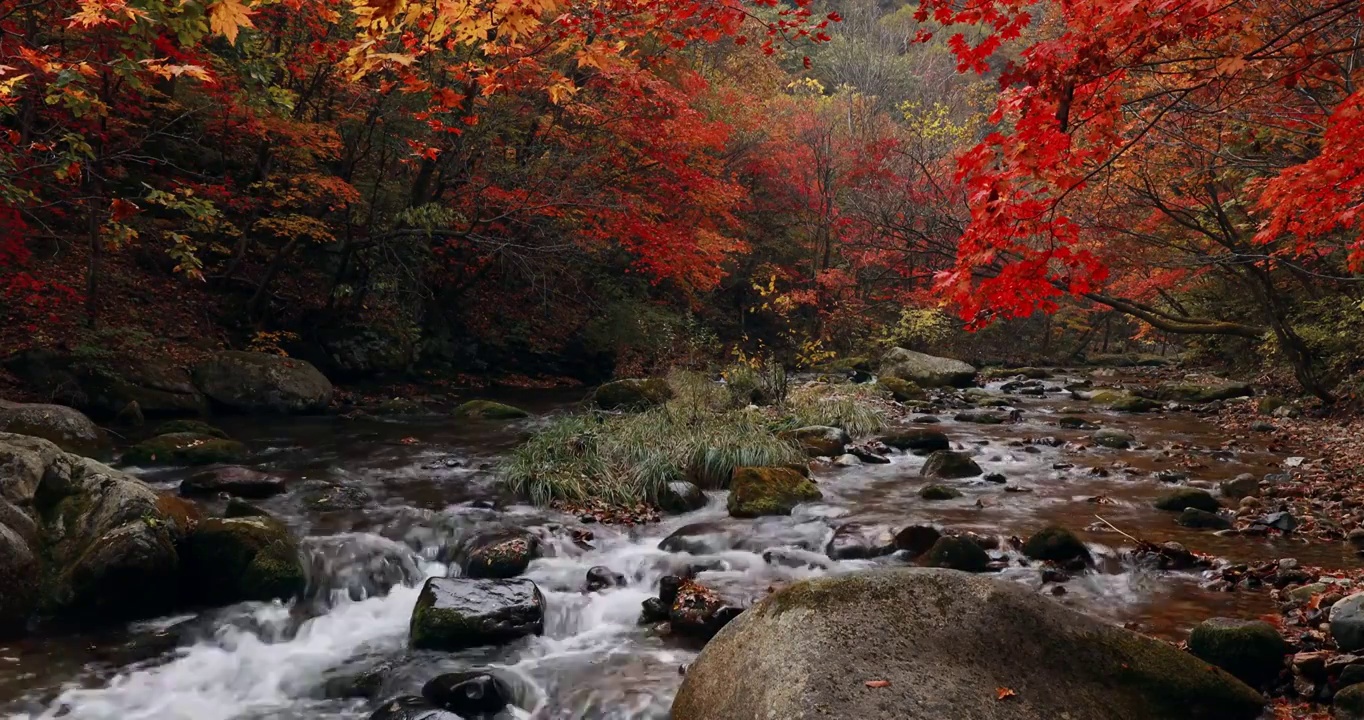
698 436
853 407
764 384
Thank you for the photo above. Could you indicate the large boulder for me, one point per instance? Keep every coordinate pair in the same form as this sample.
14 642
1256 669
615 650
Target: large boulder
489 410
499 554
229 560
632 394
1187 497
769 491
1252 650
855 540
357 351
1347 623
927 370
66 427
184 449
234 480
107 386
928 644
901 390
1056 544
458 613
957 553
950 465
916 439
819 440
262 383
1205 392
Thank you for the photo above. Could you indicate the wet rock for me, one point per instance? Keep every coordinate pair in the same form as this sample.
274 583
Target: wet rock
1351 675
104 388
1116 439
1241 486
945 643
870 455
1311 665
680 497
917 539
997 478
939 492
1056 544
488 410
854 541
981 418
457 613
1347 623
926 370
653 610
796 558
237 507
367 684
468 694
67 428
20 575
411 707
1251 650
1356 537
499 554
847 460
1123 401
925 419
262 383
819 440
699 611
184 449
1282 521
703 538
1301 595
1348 704
198 427
901 390
1192 517
957 553
231 560
1071 422
357 566
755 492
234 480
1179 499
1198 393
601 577
632 394
950 465
324 496
919 440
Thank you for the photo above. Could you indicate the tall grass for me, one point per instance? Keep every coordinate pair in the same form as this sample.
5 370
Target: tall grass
698 435
845 405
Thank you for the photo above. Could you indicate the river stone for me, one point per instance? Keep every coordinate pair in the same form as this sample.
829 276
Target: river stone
68 428
980 418
198 427
1116 439
957 553
262 383
1241 486
755 492
458 613
919 440
489 410
499 554
1187 497
950 465
939 492
1347 623
819 440
1348 704
184 449
20 576
901 390
411 707
1189 392
229 560
632 394
325 496
1252 650
600 577
917 539
857 541
1076 423
680 497
105 388
468 694
703 538
1192 517
234 480
1056 544
358 566
926 370
696 610
937 638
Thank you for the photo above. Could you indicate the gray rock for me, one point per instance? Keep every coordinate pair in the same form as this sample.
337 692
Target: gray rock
632 394
939 492
262 383
950 465
1252 650
681 497
1347 623
957 553
1076 423
1351 675
1348 704
1281 521
411 707
819 440
1186 497
927 370
943 642
1056 544
919 440
852 541
66 427
917 539
1192 517
499 554
229 560
1241 486
1116 439
703 538
157 387
457 613
233 480
468 694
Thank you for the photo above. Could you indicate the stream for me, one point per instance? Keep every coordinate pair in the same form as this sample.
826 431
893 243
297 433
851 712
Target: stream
430 482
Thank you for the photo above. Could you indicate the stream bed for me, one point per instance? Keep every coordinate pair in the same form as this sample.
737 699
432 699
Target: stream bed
427 483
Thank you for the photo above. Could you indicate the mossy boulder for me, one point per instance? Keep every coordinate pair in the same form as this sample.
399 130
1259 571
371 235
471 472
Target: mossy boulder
197 427
1186 497
1123 401
632 394
926 370
1193 392
939 492
1031 373
1252 650
819 440
901 390
262 383
229 560
1056 544
681 496
1269 403
20 572
758 491
916 439
1241 486
107 386
234 480
66 427
950 465
957 553
1112 438
184 448
457 613
944 642
1348 704
1071 422
979 417
489 410
1202 520
499 554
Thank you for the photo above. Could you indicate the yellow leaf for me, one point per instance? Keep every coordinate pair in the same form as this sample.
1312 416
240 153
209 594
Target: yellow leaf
226 17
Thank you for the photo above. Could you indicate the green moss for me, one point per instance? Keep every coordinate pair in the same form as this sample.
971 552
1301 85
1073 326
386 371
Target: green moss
198 427
1251 650
1268 404
489 410
230 560
939 492
632 394
185 449
275 572
901 390
756 492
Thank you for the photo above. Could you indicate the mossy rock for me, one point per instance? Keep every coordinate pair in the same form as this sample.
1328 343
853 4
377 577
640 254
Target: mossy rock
184 448
67 428
489 410
1251 650
950 465
1115 439
757 491
1071 422
1348 704
227 560
939 492
197 427
914 439
818 440
1056 544
632 394
1202 520
1123 401
1180 498
901 390
982 418
1269 403
1202 393
457 613
957 553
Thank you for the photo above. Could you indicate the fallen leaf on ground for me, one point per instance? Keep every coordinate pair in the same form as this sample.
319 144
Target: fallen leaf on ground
878 683
1004 693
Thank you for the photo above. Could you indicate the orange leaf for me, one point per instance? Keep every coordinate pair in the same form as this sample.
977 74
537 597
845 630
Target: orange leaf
1004 693
878 683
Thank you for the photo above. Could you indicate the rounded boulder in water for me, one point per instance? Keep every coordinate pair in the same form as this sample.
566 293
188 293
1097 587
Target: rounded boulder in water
468 694
411 707
601 577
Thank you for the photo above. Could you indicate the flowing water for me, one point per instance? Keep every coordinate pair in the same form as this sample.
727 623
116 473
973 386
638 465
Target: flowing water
430 482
